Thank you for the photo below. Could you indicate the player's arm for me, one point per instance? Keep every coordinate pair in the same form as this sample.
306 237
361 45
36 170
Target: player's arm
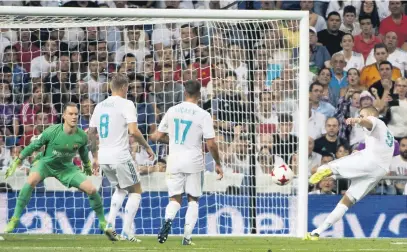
134 131
364 122
161 134
209 136
93 137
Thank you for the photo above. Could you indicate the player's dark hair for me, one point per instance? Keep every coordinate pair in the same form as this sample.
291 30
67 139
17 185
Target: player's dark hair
69 104
118 81
192 88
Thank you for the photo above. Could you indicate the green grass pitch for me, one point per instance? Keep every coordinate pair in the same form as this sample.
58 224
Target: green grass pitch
98 243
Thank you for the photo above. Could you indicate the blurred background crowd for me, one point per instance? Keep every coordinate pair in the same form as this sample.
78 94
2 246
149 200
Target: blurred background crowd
248 72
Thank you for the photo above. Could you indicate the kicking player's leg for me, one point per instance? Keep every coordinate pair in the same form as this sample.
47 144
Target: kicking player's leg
38 173
193 188
175 183
129 179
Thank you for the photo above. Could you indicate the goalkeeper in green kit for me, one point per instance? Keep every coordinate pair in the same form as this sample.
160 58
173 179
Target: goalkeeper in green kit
61 142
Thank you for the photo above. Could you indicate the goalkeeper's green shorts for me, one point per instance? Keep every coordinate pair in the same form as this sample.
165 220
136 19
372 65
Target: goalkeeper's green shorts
69 174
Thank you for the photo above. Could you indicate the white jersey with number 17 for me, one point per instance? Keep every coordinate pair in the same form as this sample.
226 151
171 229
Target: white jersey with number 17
111 118
186 125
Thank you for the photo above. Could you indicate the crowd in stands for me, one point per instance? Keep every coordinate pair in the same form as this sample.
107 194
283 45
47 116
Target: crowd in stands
358 58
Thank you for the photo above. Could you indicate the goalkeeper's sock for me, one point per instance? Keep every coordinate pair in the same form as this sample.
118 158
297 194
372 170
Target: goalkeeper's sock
130 211
117 201
23 198
97 206
171 210
190 219
332 218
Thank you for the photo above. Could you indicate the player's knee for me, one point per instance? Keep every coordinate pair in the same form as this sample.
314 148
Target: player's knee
33 180
91 190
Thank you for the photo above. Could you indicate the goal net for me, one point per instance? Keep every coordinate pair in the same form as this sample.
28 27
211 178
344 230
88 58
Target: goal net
254 83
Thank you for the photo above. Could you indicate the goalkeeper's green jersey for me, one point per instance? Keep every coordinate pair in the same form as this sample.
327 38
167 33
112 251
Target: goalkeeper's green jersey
60 147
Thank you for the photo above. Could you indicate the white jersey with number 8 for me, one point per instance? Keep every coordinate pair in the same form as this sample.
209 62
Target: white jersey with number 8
111 118
186 124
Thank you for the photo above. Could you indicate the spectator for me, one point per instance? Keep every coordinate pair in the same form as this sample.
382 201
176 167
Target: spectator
326 186
185 49
398 166
348 106
316 123
202 64
40 124
135 46
315 20
9 124
396 22
385 83
166 59
371 73
397 110
342 151
46 64
165 35
27 51
326 158
352 58
314 159
324 78
19 75
128 65
318 53
5 156
349 23
148 69
96 79
397 57
322 107
366 40
353 76
266 116
369 9
146 120
332 36
284 142
86 110
339 79
237 159
235 62
166 93
330 142
266 161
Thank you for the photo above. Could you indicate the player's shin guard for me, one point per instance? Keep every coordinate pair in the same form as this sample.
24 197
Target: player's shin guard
172 210
23 198
332 218
190 219
131 208
117 201
97 206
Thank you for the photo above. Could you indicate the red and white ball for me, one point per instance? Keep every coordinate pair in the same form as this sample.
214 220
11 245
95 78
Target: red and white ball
282 175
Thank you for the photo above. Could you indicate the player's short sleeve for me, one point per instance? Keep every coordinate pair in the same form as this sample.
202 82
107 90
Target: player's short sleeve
130 112
207 127
374 123
93 120
163 127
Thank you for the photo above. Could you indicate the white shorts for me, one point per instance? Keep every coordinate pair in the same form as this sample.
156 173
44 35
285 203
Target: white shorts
188 183
123 175
363 172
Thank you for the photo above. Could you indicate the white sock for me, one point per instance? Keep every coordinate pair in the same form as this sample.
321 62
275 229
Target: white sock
171 210
190 218
332 218
115 205
130 211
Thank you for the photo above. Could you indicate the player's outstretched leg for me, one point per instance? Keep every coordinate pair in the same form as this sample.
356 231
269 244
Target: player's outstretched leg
97 206
132 205
322 172
117 201
170 212
23 198
191 218
332 218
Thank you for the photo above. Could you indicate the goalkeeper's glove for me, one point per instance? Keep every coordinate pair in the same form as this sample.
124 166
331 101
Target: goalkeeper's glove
13 167
87 168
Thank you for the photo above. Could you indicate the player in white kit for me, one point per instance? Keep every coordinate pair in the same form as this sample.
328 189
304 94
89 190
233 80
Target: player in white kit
364 168
113 119
186 124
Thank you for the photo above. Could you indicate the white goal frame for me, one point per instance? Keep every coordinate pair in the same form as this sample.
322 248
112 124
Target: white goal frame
210 15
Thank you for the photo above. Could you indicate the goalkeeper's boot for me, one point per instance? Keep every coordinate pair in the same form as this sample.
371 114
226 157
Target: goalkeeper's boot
108 231
11 225
125 237
311 237
320 175
186 241
165 230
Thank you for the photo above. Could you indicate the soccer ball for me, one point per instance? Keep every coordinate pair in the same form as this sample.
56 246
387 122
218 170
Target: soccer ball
282 175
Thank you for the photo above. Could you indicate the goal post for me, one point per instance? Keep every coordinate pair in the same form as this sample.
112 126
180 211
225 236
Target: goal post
231 37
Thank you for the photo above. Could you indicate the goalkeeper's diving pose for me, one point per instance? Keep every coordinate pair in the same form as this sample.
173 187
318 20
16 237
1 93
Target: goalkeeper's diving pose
62 142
